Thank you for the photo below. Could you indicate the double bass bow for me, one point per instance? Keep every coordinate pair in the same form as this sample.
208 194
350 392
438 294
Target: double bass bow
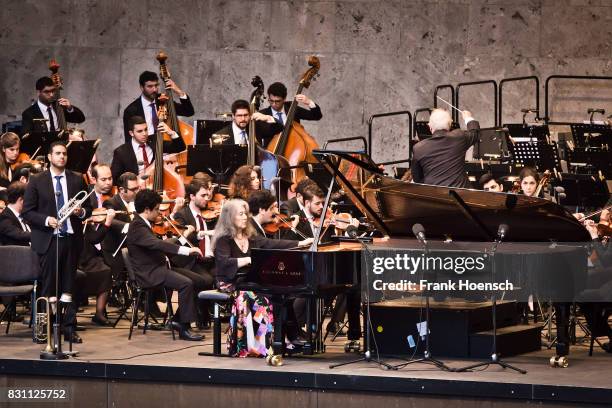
294 143
184 130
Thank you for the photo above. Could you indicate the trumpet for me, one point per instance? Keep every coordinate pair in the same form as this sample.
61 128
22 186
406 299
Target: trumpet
74 203
42 324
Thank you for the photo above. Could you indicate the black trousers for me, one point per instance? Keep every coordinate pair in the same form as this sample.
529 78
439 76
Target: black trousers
61 257
202 280
175 280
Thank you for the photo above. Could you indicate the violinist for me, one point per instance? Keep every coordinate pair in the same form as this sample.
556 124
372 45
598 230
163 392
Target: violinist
103 184
138 153
264 210
44 110
13 228
245 180
9 152
238 130
296 204
148 257
146 105
310 216
489 183
279 106
529 179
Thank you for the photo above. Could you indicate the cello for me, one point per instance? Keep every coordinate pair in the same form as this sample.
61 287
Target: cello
59 110
294 143
273 167
166 181
183 129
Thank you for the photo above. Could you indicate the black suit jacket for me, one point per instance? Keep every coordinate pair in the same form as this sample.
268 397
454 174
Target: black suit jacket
39 203
264 132
300 113
304 228
290 206
440 159
148 253
183 108
33 112
113 238
124 158
11 232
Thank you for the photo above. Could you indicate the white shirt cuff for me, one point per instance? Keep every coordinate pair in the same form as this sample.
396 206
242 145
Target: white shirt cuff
174 135
47 221
183 251
183 96
312 105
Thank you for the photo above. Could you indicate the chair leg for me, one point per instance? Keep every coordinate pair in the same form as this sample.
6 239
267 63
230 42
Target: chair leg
10 310
147 311
169 313
135 305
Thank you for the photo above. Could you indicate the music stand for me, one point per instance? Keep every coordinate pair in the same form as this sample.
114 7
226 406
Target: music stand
31 142
591 159
527 133
218 161
583 191
80 154
204 129
491 142
591 135
540 155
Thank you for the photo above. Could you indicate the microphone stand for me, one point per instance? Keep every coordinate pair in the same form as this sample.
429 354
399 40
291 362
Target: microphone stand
367 355
494 356
427 358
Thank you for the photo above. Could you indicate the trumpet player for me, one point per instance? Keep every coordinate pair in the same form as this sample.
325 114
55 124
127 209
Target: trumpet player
57 245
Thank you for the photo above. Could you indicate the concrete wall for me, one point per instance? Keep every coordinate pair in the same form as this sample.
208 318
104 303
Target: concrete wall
376 56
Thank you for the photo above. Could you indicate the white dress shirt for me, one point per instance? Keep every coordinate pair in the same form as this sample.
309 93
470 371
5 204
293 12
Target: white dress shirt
238 135
139 157
44 109
207 247
64 184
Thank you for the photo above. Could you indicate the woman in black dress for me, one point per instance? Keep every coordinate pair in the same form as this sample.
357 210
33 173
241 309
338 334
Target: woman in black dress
232 243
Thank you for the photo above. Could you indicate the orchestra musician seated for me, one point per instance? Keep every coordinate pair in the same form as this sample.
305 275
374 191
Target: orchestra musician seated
136 155
488 183
529 179
13 228
264 210
146 105
43 111
295 204
238 131
148 257
232 243
245 180
9 152
23 171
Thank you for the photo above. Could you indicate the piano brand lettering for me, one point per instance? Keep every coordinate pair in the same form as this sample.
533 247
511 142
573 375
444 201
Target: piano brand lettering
407 263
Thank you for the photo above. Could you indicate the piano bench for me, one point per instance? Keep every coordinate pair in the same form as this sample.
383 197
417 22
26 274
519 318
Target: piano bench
217 297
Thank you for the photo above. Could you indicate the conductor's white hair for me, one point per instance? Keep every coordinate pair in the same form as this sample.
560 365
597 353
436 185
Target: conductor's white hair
440 119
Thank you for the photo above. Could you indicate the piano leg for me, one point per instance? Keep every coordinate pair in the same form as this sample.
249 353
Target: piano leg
562 311
278 341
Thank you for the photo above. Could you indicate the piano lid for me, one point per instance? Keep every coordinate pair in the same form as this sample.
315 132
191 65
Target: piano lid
394 206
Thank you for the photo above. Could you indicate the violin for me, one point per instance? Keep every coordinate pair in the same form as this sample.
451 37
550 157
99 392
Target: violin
281 222
98 215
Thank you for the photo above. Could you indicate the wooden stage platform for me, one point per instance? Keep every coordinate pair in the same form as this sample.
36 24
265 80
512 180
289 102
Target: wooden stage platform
152 370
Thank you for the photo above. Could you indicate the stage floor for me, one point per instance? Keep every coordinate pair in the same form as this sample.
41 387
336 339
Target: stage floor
107 354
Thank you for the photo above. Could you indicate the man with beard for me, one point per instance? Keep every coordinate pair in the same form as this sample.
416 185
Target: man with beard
146 105
44 110
238 130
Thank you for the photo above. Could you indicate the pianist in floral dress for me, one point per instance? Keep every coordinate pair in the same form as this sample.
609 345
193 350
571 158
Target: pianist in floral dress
252 317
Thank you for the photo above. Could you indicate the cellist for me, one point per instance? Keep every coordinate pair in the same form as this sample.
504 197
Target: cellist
147 104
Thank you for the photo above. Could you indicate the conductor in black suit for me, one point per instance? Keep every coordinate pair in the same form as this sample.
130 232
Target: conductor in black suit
238 131
148 258
440 159
136 155
60 245
146 104
13 228
279 107
45 109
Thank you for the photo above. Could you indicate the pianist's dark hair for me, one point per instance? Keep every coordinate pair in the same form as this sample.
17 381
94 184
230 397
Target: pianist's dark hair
225 224
278 89
146 198
312 191
239 104
15 191
147 76
529 171
260 200
43 82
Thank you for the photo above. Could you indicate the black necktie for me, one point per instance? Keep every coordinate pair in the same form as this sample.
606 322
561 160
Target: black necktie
51 122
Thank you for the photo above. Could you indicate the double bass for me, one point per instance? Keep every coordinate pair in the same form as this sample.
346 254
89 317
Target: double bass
184 130
294 143
59 110
273 167
165 180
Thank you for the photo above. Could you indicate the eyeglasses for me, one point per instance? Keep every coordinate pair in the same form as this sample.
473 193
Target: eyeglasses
276 100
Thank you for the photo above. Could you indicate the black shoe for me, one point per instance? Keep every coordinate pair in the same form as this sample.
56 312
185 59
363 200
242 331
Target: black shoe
185 334
100 321
76 339
80 328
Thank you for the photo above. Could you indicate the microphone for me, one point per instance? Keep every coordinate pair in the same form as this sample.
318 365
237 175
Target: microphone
502 231
419 233
596 110
352 231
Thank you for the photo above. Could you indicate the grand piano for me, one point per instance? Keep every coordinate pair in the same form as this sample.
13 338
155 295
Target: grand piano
457 215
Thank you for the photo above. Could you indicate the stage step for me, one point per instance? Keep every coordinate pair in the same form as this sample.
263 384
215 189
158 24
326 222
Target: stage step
511 341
